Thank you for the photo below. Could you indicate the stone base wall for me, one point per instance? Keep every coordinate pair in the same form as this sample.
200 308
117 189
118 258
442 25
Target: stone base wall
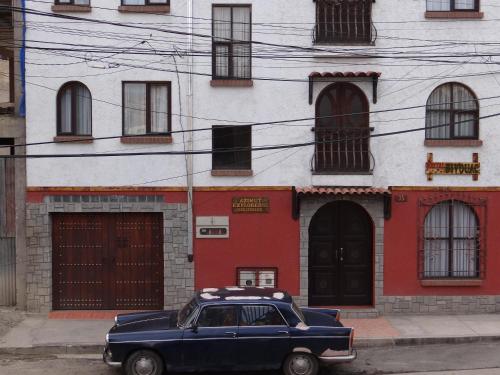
439 304
178 271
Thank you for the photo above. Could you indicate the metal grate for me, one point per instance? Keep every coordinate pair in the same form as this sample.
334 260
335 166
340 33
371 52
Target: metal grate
452 240
342 150
344 21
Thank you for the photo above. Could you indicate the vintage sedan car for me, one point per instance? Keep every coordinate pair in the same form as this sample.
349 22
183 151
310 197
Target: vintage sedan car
230 329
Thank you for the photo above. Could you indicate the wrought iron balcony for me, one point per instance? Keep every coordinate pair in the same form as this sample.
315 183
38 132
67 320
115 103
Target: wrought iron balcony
344 22
342 151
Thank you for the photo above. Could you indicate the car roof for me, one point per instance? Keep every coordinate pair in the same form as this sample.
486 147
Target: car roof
243 294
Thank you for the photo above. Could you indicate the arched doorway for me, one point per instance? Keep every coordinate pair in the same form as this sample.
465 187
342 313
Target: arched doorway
342 129
341 256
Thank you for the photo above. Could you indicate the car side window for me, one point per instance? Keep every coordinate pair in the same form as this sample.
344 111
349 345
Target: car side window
218 316
260 315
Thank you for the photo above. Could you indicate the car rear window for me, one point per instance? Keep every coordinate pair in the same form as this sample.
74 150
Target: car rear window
260 315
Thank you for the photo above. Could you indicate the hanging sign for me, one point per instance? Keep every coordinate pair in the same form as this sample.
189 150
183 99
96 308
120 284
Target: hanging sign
250 205
432 167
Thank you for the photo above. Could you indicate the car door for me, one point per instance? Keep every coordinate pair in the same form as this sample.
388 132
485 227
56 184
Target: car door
263 337
211 342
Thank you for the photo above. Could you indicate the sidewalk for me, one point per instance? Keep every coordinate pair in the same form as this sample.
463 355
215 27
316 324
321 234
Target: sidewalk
69 333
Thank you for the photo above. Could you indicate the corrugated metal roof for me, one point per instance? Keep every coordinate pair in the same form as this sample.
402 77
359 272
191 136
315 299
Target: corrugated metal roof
342 190
345 74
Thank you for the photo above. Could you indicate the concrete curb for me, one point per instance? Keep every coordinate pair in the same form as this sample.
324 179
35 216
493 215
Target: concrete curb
415 341
360 343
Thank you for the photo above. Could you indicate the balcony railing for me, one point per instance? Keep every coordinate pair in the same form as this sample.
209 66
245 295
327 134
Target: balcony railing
342 151
344 21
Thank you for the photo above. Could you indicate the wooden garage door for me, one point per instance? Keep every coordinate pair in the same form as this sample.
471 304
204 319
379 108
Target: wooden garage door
107 261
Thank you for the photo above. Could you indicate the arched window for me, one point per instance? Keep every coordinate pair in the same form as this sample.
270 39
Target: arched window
342 129
452 113
74 110
451 241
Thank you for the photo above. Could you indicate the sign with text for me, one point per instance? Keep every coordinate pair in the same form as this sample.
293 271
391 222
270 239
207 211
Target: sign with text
432 167
250 205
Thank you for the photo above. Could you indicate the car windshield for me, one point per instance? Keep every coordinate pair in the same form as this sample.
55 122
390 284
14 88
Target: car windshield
186 312
298 311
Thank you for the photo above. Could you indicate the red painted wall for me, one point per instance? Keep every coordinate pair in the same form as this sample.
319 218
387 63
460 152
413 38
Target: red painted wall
256 240
401 248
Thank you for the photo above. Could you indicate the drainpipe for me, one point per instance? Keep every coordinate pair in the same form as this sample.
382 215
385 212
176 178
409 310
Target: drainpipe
189 166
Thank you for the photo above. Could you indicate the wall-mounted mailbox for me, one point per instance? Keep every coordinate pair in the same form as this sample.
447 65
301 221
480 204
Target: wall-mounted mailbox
212 227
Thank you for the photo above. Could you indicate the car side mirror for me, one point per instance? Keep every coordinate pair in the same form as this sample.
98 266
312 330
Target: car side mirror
194 327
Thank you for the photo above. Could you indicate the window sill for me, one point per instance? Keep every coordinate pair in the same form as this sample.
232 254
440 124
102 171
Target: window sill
231 83
232 172
147 139
144 8
455 15
74 139
453 143
71 8
451 282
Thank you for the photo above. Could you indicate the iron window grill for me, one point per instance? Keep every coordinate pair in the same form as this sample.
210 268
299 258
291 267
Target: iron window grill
452 237
344 21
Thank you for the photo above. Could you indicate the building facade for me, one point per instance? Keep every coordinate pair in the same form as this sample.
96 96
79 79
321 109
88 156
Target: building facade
342 150
12 171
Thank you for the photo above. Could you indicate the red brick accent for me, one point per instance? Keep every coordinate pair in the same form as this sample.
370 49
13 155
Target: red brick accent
231 83
161 139
71 8
451 282
457 15
453 142
144 8
232 172
74 139
86 314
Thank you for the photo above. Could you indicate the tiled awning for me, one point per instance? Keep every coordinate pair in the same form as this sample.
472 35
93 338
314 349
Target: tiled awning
374 76
300 192
341 191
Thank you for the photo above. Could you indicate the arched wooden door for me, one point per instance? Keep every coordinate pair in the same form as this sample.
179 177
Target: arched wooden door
342 129
341 256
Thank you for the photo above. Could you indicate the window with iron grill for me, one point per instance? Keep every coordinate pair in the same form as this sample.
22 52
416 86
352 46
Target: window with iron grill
452 240
452 5
231 43
341 21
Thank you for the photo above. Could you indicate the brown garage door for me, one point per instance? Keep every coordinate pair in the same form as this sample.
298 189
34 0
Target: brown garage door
107 261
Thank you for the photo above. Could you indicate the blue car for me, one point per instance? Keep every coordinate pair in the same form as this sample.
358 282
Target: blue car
230 329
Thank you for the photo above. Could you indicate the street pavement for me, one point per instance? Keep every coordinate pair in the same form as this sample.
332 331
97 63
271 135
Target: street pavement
77 330
456 359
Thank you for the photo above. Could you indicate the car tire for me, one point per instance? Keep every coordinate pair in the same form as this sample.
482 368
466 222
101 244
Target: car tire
144 362
300 364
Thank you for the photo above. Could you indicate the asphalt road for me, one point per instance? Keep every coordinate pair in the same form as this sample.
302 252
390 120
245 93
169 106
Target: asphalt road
476 359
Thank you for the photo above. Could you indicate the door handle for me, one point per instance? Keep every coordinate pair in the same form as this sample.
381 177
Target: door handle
232 334
282 332
341 254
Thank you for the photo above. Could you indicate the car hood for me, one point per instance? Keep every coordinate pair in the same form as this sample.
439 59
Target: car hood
146 321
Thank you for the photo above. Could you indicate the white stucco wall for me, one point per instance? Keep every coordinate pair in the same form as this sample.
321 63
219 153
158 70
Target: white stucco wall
400 160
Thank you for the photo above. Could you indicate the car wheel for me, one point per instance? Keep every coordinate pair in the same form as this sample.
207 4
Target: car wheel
300 364
144 362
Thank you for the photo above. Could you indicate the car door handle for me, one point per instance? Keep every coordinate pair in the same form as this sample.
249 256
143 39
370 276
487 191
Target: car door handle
232 334
282 332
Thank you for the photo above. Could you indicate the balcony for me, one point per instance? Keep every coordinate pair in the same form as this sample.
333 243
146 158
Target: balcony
342 151
344 22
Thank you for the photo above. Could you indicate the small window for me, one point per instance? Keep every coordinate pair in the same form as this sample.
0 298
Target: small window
451 241
218 316
74 110
145 2
146 108
452 112
72 2
231 46
260 315
452 5
225 139
264 277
